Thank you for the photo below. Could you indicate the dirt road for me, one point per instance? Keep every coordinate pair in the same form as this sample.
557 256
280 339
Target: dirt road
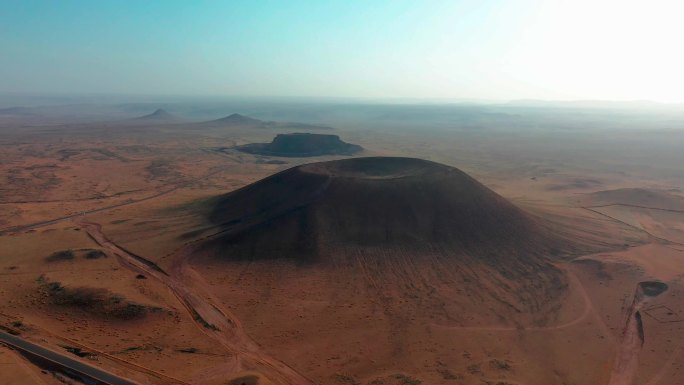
627 357
48 222
215 322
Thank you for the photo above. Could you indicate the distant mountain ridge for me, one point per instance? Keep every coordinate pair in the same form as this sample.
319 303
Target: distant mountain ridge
243 121
238 119
159 115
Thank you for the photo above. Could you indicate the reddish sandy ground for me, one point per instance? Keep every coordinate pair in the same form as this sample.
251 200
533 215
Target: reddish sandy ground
306 325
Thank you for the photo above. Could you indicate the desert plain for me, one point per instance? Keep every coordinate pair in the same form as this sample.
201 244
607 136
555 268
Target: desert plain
142 240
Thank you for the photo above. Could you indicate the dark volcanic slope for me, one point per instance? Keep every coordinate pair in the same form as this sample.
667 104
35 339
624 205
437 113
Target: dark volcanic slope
302 145
391 214
305 211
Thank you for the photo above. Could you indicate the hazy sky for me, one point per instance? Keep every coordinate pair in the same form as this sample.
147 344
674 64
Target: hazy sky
480 49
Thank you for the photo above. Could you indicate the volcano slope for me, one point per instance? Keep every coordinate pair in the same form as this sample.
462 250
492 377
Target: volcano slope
410 228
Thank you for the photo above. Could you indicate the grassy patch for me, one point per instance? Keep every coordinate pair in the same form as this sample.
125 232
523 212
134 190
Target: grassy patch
197 317
95 254
188 350
406 380
63 255
500 364
474 369
245 380
346 379
448 374
77 351
133 349
96 301
67 255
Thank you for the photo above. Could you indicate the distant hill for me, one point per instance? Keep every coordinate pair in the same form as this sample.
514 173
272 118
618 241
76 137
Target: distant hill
238 120
302 145
243 121
160 115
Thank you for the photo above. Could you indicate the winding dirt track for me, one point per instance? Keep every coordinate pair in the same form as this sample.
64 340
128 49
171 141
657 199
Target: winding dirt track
215 322
653 237
638 207
627 357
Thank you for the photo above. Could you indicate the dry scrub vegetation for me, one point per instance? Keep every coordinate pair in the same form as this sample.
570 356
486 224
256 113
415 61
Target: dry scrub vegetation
98 302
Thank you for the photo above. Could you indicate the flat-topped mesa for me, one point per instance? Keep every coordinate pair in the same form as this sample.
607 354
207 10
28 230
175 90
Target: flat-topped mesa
302 145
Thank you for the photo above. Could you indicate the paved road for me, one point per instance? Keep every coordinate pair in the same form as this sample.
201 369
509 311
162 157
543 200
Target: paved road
64 361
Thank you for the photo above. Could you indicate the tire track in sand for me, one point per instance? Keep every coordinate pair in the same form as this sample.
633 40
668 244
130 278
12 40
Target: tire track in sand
215 322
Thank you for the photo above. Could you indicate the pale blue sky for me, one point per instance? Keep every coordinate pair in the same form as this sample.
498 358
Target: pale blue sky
487 49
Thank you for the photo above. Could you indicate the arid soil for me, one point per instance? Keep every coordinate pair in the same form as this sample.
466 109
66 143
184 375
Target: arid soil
153 197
